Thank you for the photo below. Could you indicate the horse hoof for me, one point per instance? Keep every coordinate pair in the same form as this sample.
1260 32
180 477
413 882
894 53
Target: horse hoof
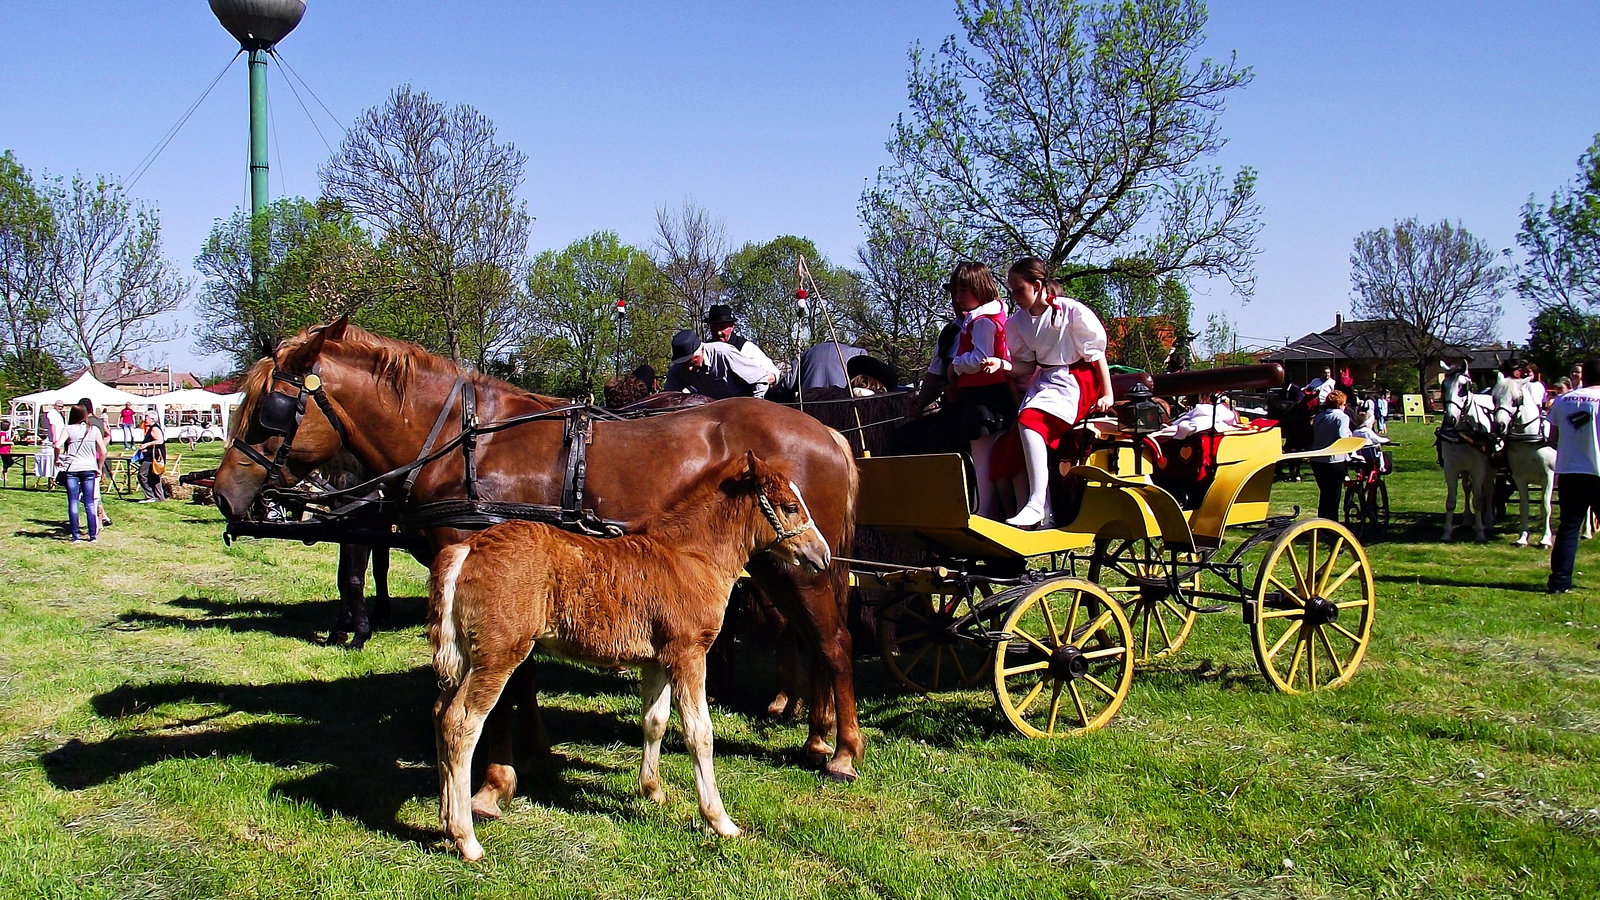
360 640
817 760
337 639
841 776
725 828
776 708
485 808
471 850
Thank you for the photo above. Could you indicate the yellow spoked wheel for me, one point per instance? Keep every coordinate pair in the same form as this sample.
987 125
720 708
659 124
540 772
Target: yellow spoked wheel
919 646
1314 602
1136 574
1066 661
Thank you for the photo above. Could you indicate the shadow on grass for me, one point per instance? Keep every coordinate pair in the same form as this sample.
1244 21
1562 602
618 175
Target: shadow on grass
365 743
297 621
1531 587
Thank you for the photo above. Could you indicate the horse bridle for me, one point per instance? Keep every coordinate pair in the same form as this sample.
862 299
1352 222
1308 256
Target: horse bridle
279 413
785 534
1516 424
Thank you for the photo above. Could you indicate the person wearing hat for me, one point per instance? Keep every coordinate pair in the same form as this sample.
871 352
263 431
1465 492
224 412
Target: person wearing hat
834 365
715 369
719 328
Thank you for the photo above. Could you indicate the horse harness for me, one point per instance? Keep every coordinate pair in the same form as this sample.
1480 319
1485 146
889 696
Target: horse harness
370 505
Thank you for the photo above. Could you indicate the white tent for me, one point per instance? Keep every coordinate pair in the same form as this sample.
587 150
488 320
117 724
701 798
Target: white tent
105 398
195 399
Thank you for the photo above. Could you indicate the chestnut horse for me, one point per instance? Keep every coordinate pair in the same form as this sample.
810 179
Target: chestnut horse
654 600
387 395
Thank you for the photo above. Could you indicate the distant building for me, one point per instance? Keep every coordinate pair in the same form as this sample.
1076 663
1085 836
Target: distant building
1139 339
1368 346
134 379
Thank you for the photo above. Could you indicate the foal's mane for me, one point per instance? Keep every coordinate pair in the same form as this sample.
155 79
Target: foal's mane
394 362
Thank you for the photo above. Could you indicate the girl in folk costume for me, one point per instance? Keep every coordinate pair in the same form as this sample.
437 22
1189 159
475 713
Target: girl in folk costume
986 405
1061 344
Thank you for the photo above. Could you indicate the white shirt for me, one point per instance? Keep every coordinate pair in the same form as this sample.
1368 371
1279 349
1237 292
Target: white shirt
1064 333
983 333
1576 431
760 357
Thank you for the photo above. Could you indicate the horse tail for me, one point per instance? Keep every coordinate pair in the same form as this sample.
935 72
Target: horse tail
450 654
847 536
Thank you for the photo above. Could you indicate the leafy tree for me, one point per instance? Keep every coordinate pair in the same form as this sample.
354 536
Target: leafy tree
1140 314
441 194
1562 242
575 335
1562 336
760 280
902 304
109 282
689 250
297 242
1078 133
27 231
1442 284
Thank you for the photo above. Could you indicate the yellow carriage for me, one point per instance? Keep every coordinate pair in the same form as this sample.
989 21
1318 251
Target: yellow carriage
1057 620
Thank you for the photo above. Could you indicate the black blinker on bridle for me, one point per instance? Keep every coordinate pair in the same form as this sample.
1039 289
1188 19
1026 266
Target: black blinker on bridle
280 414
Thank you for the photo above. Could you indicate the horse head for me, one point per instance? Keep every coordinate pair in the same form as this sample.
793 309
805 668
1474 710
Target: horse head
796 540
1514 407
1456 392
283 430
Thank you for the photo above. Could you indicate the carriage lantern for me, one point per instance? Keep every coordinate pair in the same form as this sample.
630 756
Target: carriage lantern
1140 415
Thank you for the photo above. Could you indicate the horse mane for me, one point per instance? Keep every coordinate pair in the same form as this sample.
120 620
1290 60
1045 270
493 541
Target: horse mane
393 361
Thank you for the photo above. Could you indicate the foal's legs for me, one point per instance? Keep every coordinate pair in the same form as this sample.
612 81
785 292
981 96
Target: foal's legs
655 694
519 701
689 683
458 722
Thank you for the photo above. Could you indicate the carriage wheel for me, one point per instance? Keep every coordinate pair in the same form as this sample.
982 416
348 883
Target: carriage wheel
914 636
1066 661
1355 510
1313 607
1160 623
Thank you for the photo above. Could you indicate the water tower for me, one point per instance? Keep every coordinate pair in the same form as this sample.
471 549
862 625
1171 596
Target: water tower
258 25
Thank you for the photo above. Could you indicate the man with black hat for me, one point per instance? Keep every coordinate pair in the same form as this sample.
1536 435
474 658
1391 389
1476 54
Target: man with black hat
719 329
714 369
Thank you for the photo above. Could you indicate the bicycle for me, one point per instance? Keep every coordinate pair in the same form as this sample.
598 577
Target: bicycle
1366 497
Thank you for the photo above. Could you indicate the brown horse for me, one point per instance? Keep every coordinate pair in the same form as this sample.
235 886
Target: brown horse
654 600
386 396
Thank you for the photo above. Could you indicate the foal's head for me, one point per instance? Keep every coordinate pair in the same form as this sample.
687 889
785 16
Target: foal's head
784 528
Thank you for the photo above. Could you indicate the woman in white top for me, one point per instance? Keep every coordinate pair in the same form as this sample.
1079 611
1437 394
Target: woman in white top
79 449
1061 344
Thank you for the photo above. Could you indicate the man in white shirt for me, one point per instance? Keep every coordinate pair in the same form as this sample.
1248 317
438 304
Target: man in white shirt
716 370
1576 433
719 327
1323 386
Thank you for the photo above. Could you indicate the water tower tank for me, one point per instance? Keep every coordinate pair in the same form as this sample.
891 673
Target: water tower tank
258 24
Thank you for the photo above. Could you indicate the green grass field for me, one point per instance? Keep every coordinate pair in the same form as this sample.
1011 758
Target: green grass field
170 728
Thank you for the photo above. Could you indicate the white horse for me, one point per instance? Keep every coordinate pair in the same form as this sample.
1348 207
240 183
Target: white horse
1467 427
1529 456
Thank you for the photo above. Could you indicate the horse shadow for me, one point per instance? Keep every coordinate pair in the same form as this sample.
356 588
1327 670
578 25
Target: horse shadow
296 621
363 747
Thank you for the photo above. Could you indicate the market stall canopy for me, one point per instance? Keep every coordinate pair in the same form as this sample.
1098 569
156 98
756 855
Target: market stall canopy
195 398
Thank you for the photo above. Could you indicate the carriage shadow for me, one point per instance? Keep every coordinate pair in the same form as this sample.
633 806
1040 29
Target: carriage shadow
296 621
362 747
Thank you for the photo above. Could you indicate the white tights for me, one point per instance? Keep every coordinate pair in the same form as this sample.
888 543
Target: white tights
1037 456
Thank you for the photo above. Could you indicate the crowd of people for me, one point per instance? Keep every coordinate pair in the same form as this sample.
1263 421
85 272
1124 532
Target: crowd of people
74 443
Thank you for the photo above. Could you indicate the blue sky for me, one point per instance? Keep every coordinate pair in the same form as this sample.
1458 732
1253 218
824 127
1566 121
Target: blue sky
774 115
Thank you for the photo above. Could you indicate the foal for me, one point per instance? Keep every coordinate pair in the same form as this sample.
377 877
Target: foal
653 600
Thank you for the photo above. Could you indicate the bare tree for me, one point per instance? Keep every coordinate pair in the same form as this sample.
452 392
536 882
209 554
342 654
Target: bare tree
690 248
1078 133
902 305
109 282
432 181
1438 281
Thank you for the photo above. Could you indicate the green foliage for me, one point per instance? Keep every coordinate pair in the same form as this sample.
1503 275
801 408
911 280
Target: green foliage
1136 311
760 282
1562 337
1078 133
1562 242
574 340
27 231
299 246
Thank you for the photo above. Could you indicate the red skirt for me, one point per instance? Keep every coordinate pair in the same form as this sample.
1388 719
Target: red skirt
1007 461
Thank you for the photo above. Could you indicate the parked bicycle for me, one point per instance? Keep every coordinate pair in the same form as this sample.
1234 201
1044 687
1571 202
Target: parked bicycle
1366 495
